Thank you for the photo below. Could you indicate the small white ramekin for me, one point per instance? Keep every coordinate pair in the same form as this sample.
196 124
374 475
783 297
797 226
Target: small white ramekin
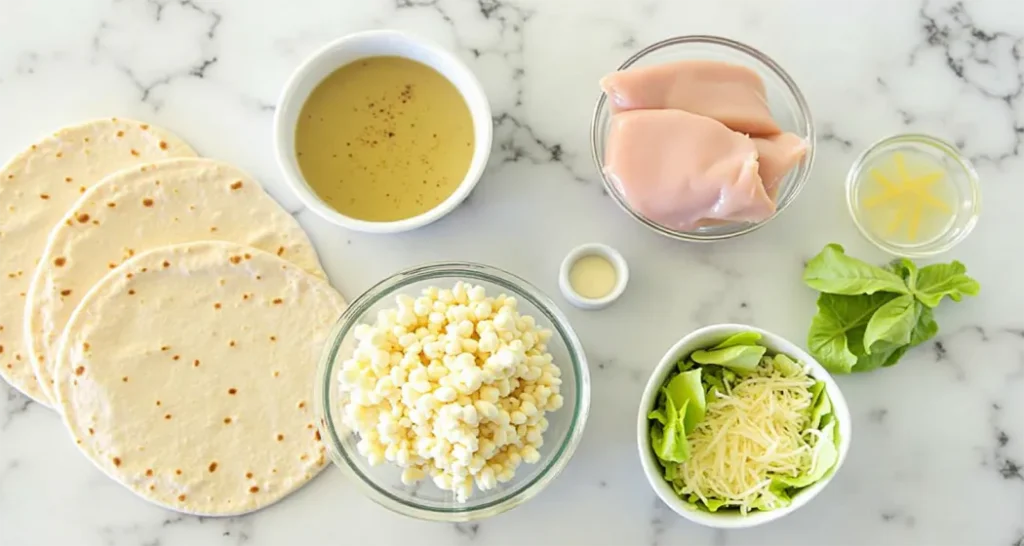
701 339
591 249
371 44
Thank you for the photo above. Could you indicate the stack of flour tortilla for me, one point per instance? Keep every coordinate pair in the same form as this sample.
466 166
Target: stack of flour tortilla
169 309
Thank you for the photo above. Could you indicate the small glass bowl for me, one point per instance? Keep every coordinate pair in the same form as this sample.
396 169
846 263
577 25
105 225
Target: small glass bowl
786 102
959 170
424 500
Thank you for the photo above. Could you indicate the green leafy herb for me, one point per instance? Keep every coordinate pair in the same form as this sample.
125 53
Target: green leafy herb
938 280
869 317
834 272
882 355
906 269
926 327
831 328
892 322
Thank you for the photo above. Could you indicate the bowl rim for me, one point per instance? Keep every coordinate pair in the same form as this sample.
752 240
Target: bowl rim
950 151
468 271
652 470
798 96
472 92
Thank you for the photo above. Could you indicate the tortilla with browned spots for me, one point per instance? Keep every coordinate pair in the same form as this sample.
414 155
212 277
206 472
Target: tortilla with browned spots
36 188
186 374
138 209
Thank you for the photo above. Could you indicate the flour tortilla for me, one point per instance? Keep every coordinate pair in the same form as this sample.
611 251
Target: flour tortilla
36 189
149 360
138 209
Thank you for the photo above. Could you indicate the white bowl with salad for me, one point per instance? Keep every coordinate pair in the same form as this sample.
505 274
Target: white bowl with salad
738 427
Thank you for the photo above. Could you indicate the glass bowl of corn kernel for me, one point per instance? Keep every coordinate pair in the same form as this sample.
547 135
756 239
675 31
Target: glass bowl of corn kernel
452 392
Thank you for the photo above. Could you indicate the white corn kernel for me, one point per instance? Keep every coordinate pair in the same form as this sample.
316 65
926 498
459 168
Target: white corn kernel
530 454
452 384
477 294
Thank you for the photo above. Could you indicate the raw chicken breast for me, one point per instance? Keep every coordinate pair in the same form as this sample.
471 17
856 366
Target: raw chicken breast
729 93
777 155
681 170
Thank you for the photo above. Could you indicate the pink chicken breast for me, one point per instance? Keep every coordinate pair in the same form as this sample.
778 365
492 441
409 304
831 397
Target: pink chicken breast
777 155
730 93
683 170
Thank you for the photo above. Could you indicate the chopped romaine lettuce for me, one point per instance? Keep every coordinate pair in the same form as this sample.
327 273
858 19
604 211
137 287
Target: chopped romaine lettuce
657 414
742 338
826 454
742 358
685 390
820 404
786 366
669 442
698 380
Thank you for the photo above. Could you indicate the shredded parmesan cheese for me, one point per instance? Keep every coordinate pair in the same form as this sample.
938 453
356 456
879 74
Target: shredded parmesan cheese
750 434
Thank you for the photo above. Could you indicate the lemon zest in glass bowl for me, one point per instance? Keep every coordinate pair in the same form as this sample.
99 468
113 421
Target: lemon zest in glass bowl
910 195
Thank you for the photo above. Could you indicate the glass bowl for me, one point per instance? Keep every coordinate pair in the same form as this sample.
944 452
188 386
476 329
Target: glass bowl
786 102
424 500
963 188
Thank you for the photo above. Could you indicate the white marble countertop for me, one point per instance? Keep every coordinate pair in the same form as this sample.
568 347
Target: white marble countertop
938 448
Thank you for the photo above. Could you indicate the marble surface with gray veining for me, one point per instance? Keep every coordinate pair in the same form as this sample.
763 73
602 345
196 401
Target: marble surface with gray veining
938 447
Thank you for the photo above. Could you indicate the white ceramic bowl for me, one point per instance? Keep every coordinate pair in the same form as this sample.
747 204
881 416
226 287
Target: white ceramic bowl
371 44
701 339
591 249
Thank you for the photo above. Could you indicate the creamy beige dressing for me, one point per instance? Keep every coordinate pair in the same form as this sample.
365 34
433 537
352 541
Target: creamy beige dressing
592 276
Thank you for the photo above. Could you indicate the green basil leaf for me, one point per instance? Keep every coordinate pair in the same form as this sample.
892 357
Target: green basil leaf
885 354
837 317
882 358
906 269
892 322
926 327
894 356
939 280
834 272
827 342
882 354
